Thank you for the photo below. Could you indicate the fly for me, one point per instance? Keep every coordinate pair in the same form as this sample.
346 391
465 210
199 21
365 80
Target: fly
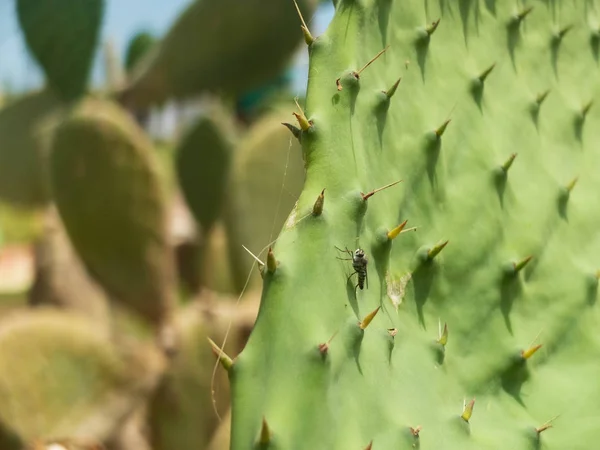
359 264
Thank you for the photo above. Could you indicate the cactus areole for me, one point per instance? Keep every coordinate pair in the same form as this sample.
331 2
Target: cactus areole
442 350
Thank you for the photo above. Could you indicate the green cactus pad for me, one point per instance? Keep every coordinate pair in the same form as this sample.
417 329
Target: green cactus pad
216 264
62 36
252 43
62 378
181 413
105 183
138 47
266 180
54 257
25 129
313 375
202 161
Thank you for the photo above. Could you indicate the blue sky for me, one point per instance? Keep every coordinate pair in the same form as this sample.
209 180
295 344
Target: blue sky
123 18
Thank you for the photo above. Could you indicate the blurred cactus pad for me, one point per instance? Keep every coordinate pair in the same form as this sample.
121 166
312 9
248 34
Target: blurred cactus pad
63 44
479 330
138 47
61 377
237 45
202 161
26 127
105 182
266 180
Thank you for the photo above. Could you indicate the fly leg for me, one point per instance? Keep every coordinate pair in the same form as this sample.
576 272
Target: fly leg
355 287
346 250
350 276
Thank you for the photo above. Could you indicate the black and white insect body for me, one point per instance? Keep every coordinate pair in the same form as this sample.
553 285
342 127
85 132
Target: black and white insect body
359 264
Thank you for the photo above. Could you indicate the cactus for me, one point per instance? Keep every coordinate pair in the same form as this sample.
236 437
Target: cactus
61 378
181 412
480 328
26 127
267 177
138 47
222 60
256 205
54 257
216 265
105 183
62 36
202 161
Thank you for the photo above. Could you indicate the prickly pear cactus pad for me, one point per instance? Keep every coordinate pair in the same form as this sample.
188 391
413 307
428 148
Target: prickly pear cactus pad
62 378
104 180
267 178
138 47
441 349
62 36
238 45
202 162
25 129
180 412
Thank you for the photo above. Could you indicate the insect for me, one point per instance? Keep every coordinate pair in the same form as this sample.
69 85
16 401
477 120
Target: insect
359 264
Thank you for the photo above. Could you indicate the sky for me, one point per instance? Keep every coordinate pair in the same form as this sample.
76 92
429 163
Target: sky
123 18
